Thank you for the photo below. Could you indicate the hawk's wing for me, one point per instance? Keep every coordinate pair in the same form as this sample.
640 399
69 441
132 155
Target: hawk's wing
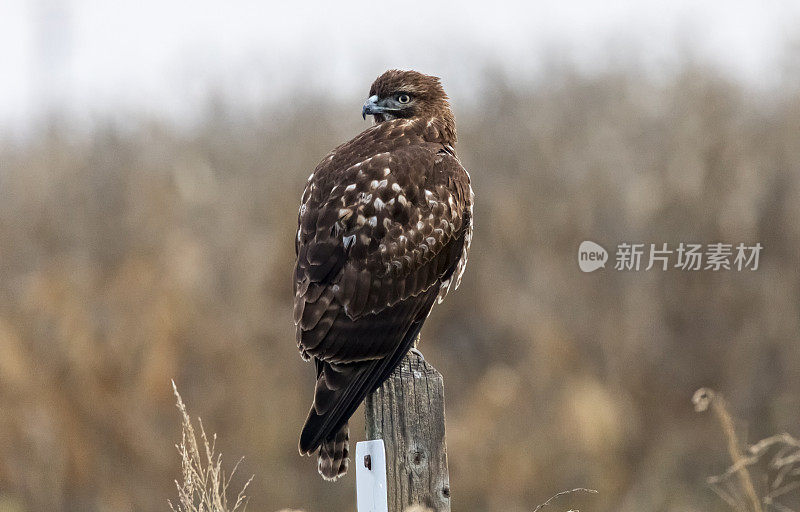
385 232
378 240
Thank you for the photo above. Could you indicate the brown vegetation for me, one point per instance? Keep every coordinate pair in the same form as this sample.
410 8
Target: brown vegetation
775 462
204 486
142 252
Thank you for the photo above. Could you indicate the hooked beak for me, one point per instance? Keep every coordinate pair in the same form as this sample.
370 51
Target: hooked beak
371 107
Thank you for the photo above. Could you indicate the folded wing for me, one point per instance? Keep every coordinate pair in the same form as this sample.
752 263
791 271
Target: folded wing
378 240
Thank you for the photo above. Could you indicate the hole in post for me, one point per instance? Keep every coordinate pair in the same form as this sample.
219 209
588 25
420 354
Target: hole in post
368 462
446 491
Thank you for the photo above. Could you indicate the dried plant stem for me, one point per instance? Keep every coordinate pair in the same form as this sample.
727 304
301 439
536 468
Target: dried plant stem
562 493
205 486
705 398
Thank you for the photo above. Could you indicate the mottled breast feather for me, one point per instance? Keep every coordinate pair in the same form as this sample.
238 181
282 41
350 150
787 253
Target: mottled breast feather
384 219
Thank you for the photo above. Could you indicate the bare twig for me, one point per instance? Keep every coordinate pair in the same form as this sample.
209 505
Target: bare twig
705 398
562 493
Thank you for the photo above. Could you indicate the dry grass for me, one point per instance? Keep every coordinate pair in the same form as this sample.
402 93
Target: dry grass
773 461
205 486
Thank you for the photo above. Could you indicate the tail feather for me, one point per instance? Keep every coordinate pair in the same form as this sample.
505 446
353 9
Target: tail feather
339 391
335 386
334 451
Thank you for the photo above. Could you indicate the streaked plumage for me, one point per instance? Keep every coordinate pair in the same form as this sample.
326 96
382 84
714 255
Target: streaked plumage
383 231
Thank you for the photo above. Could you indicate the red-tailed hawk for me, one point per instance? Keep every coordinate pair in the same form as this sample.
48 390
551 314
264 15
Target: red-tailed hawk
384 229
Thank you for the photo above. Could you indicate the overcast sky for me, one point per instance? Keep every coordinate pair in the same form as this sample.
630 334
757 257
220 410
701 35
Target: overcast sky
161 57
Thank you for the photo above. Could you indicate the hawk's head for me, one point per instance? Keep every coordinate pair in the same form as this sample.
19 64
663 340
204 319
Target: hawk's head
407 95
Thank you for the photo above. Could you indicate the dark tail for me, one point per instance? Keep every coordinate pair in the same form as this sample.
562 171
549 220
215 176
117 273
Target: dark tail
340 389
333 459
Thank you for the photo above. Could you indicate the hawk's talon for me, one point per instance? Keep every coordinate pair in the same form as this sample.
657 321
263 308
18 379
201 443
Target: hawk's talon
416 351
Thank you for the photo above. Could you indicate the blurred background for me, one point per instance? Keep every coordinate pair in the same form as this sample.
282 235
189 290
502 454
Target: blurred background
152 156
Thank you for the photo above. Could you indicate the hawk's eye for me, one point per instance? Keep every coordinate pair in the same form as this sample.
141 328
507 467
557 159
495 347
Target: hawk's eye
403 98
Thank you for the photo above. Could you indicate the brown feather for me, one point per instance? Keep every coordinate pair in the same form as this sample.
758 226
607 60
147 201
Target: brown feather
385 224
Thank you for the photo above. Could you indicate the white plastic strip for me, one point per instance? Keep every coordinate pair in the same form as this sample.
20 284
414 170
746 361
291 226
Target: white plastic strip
371 476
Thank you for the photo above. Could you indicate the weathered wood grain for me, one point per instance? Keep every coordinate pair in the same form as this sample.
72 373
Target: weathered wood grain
407 412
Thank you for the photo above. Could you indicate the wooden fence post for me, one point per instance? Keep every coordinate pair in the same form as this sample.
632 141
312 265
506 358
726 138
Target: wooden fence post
407 412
